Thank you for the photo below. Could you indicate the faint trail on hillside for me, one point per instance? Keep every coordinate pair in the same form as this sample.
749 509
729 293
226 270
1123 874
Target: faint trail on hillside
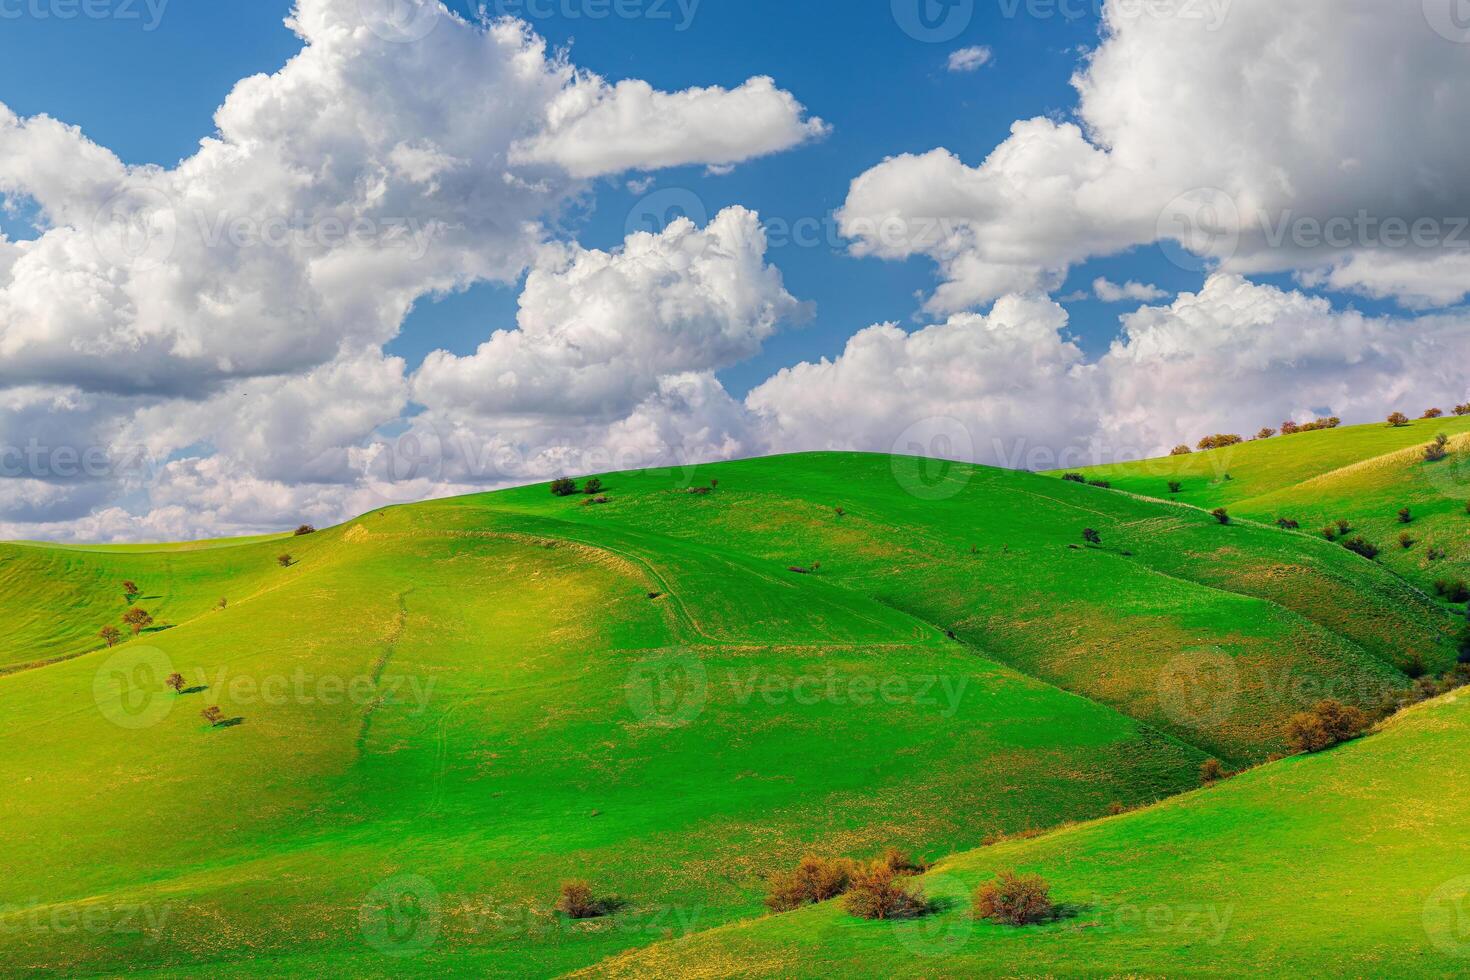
390 647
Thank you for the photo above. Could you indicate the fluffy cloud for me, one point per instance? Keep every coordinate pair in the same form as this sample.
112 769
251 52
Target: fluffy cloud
1252 136
593 128
1232 357
215 313
596 331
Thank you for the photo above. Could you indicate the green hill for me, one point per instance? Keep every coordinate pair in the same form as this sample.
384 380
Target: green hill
1348 863
1362 474
439 712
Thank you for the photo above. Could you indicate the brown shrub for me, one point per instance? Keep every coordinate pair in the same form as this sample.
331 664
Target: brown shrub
878 892
815 879
1329 723
577 901
1398 420
1210 771
1015 900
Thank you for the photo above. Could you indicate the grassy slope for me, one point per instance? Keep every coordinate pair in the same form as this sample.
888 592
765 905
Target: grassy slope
1169 589
527 763
1364 474
1349 863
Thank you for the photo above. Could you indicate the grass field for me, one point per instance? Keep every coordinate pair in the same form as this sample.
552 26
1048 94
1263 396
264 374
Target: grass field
439 712
1363 474
1348 863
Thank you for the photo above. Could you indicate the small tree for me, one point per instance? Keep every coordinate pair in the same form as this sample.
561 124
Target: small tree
879 892
592 487
1287 524
1406 516
137 620
1463 409
304 530
1175 486
1343 526
1221 514
1091 536
1180 450
563 487
1014 900
577 901
714 484
1398 420
1265 433
284 560
1330 532
1438 449
176 681
1290 428
840 511
223 602
1074 478
110 635
1362 546
1210 771
213 715
1406 541
1433 413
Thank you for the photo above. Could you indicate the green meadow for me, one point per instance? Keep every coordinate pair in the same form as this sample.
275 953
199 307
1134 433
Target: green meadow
435 714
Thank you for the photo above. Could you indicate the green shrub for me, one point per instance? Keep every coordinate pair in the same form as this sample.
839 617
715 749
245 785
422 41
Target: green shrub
592 487
1175 486
1074 478
1362 546
563 487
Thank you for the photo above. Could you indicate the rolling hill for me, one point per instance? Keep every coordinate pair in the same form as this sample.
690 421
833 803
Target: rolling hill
1362 474
1348 863
437 713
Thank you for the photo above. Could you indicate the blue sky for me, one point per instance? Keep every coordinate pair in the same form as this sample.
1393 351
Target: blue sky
150 94
274 381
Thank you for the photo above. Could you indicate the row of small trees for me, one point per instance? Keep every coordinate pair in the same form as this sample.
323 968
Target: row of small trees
1288 428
